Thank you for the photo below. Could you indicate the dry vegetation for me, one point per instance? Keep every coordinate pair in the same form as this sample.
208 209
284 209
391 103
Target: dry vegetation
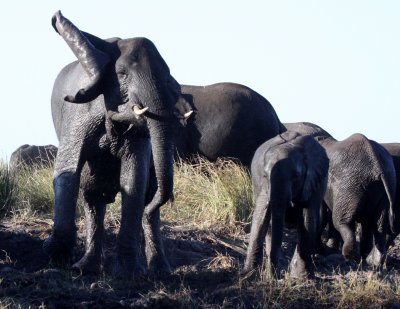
205 231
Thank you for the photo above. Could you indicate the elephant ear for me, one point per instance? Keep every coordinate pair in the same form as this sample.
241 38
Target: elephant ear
93 60
317 164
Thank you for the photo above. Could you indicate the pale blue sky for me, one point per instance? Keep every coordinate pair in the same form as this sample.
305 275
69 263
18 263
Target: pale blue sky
334 63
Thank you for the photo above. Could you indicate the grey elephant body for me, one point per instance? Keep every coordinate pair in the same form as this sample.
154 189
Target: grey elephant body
361 188
229 120
289 175
394 151
106 148
32 155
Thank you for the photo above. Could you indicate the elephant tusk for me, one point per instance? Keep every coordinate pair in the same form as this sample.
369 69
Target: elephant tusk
139 111
187 115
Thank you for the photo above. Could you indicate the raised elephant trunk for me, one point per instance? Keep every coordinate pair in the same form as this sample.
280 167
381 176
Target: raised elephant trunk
92 60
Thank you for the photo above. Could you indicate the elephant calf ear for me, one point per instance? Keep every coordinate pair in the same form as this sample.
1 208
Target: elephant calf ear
93 60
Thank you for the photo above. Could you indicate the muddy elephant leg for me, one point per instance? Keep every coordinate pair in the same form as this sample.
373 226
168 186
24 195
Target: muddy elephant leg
133 180
157 262
94 217
59 245
301 266
259 227
99 186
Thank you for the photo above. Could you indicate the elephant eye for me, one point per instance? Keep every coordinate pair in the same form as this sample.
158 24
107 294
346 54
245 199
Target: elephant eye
122 74
134 57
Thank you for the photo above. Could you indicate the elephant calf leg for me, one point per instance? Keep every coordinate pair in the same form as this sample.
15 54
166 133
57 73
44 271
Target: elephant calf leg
301 266
259 227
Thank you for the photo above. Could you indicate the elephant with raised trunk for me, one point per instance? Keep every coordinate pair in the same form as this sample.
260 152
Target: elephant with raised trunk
361 188
111 77
289 175
117 112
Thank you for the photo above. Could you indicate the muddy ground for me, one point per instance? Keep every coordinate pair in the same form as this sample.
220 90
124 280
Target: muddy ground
206 267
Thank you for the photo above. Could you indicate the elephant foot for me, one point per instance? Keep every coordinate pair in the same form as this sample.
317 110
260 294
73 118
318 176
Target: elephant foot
350 253
159 266
88 264
332 243
248 272
376 258
128 268
300 269
59 249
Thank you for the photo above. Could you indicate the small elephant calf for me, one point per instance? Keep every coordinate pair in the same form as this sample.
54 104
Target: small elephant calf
289 176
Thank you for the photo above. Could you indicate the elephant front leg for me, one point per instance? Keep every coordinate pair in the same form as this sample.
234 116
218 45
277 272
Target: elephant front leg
59 245
155 254
133 180
157 262
94 217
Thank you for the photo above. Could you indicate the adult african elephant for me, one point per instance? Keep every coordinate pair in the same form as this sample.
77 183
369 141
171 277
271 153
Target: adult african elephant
32 155
289 175
228 120
106 147
361 188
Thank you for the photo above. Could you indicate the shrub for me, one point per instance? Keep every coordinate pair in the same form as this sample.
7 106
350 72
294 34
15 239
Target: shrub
33 190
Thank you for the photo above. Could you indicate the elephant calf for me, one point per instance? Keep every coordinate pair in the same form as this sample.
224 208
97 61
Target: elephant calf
289 175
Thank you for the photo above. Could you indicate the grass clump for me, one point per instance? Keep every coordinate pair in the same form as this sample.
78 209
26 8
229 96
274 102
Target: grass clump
33 191
7 184
207 194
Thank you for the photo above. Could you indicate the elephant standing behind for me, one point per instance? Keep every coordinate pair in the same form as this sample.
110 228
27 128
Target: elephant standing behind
394 151
289 175
361 188
114 112
228 120
32 155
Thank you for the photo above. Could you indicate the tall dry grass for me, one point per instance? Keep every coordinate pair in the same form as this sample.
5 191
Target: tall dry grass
207 194
7 185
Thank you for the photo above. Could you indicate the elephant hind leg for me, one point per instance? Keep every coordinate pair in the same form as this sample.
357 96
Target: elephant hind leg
301 266
377 256
259 227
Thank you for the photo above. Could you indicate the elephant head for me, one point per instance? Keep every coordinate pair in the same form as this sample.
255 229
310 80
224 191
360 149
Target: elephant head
131 75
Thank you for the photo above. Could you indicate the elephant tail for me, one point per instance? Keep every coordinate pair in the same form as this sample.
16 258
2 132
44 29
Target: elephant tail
390 195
